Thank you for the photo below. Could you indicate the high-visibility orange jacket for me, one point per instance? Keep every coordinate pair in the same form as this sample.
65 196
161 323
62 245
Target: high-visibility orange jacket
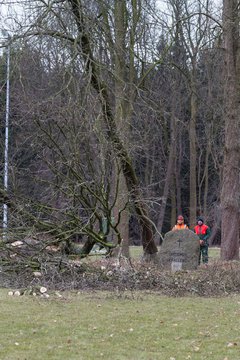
179 227
203 232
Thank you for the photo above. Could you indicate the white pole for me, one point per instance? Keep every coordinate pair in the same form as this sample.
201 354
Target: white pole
5 207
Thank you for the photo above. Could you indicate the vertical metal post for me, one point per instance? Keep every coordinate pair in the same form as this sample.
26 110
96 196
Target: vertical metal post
5 207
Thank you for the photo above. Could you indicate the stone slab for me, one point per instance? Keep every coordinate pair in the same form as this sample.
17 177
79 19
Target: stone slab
179 251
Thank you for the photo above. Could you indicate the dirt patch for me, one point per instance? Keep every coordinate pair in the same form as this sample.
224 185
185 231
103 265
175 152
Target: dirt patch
61 273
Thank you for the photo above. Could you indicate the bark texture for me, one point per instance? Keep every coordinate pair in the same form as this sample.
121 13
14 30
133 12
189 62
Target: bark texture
230 184
100 87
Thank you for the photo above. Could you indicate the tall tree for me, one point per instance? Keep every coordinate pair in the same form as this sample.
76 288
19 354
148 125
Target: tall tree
230 183
84 37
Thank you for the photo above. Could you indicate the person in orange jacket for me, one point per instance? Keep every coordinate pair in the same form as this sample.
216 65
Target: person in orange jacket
180 224
203 232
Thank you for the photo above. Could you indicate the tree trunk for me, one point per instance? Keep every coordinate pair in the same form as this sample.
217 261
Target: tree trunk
173 203
121 118
178 163
205 195
230 184
149 246
123 227
169 174
193 156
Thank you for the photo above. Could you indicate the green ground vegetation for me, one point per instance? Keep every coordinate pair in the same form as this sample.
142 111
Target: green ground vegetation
214 252
119 324
116 326
137 251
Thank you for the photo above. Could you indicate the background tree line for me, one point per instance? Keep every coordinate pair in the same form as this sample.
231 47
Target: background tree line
119 121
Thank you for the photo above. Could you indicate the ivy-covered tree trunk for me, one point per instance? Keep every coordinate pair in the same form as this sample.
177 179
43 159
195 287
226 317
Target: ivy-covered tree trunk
121 112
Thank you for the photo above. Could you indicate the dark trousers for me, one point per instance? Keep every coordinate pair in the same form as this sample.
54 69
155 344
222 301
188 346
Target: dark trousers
203 254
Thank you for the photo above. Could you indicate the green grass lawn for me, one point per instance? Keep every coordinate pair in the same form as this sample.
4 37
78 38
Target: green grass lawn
137 251
107 326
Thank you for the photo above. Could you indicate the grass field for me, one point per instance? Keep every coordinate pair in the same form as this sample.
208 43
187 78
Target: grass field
119 326
214 253
107 326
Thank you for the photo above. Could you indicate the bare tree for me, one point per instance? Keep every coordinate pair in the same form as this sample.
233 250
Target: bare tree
84 46
230 184
115 119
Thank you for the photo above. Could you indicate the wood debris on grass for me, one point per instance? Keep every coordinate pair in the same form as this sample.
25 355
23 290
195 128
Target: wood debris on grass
58 273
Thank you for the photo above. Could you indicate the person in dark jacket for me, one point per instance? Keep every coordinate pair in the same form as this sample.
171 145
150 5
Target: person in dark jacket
203 232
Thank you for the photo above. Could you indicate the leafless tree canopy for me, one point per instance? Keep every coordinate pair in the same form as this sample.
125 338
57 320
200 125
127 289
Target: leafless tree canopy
121 117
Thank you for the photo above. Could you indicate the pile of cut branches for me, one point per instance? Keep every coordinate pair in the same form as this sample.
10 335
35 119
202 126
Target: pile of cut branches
59 272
